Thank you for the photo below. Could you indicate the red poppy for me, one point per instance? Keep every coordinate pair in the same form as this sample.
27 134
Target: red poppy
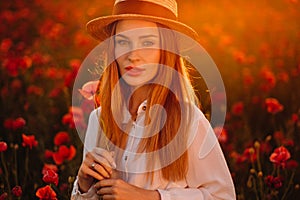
14 124
35 90
48 154
239 56
250 154
46 193
5 45
55 92
64 153
49 166
74 118
247 77
50 176
273 182
3 196
269 80
16 85
3 146
273 105
295 118
61 138
237 108
13 65
221 134
29 140
280 156
17 191
19 123
88 90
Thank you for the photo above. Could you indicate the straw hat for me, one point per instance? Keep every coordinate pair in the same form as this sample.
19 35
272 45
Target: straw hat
159 11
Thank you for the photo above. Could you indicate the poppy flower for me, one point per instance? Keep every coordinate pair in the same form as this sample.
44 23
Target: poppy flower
64 153
269 79
280 156
88 90
273 182
35 90
29 140
50 176
14 124
3 146
5 45
61 138
74 118
46 193
273 105
3 196
48 154
17 191
221 134
237 108
48 167
250 154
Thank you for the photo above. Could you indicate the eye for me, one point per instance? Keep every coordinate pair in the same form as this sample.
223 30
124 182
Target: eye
122 43
148 43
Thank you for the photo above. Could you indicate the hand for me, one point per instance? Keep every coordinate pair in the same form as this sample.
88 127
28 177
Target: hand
117 189
97 164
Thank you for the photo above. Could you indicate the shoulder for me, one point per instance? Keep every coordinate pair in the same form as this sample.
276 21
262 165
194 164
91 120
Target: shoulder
196 113
92 129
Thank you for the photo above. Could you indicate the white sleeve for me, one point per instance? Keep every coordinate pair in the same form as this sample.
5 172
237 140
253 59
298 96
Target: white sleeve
208 176
89 143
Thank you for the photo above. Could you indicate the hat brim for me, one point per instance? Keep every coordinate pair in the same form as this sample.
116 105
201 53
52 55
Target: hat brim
98 27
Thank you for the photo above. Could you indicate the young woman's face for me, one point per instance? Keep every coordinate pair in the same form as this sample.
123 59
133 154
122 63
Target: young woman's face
137 52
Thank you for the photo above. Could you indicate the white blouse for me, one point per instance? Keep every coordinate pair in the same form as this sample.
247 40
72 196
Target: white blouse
208 176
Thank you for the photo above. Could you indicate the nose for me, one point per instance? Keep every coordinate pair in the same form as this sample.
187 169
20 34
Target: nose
133 56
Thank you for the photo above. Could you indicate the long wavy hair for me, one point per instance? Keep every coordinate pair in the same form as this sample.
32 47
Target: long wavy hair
175 94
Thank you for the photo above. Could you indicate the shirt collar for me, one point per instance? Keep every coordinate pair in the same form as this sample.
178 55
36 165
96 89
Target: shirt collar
127 115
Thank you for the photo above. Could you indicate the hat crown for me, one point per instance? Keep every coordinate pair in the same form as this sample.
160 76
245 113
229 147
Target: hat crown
171 5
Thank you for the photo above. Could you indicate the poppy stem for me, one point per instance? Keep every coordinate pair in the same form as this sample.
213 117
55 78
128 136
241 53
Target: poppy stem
6 175
26 167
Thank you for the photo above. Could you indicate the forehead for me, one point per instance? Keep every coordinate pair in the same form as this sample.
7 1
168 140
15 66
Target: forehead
136 27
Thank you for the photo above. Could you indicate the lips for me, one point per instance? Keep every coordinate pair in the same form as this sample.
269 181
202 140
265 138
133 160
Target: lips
133 71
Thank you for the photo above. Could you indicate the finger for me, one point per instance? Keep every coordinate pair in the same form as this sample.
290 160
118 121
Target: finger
103 167
102 170
108 197
85 171
107 182
107 155
104 190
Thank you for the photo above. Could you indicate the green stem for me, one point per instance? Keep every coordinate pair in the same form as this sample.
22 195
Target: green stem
16 166
26 167
289 186
261 189
6 175
255 189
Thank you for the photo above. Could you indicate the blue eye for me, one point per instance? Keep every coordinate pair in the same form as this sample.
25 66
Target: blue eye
148 43
122 43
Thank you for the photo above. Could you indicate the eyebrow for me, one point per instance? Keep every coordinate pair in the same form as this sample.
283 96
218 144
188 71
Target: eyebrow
141 37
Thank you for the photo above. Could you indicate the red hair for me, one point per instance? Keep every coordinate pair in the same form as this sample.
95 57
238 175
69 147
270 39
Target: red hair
175 94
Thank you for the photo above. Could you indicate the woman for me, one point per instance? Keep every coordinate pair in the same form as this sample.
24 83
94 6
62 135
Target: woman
144 141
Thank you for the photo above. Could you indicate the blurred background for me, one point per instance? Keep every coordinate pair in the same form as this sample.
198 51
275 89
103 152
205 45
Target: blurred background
255 44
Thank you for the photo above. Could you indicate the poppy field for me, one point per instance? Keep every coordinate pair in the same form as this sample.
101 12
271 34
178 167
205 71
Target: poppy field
255 44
